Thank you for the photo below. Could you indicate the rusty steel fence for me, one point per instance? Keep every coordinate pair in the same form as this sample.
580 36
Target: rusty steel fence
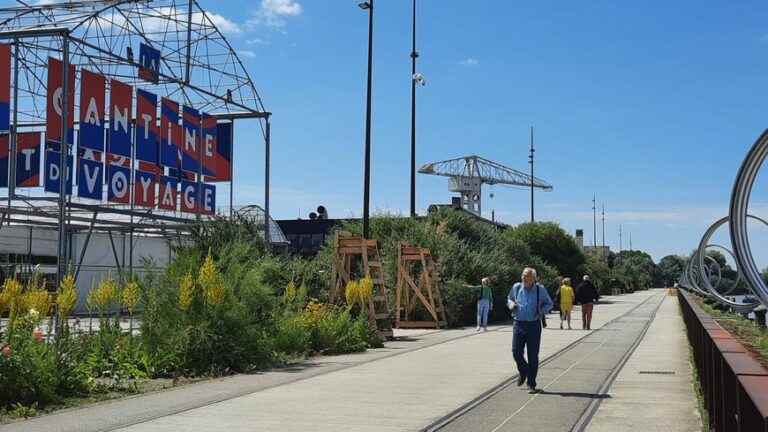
733 384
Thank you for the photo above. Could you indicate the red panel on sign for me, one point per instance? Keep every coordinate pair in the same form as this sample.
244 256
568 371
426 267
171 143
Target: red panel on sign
144 189
55 101
120 103
168 193
5 87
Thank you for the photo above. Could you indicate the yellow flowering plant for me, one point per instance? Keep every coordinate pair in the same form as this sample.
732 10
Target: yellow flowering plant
290 293
186 291
66 297
211 282
131 296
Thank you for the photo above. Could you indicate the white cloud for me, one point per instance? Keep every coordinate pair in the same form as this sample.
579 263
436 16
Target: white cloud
257 41
469 61
222 23
246 54
273 13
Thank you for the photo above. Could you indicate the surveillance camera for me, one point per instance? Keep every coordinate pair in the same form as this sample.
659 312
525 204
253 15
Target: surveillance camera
419 78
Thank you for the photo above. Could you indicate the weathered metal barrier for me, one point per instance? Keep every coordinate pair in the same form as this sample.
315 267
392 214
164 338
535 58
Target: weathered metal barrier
734 385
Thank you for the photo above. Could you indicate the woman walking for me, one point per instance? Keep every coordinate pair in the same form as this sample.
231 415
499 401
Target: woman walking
484 303
566 302
586 295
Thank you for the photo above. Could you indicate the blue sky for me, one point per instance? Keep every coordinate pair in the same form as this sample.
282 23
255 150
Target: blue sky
651 107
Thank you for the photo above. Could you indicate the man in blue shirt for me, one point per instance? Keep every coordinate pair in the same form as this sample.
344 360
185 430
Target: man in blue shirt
528 301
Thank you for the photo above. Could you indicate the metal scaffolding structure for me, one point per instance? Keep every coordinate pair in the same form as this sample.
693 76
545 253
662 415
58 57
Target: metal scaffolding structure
198 68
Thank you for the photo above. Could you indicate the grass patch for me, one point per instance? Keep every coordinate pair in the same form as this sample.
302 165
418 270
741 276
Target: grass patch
703 413
753 337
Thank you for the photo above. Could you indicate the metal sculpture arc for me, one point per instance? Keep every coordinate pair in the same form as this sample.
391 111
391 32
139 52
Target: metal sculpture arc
696 275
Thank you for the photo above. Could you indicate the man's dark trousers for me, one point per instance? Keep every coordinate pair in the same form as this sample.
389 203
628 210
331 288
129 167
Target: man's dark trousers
527 336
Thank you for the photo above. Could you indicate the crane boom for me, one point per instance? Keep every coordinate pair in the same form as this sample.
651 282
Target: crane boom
488 172
467 175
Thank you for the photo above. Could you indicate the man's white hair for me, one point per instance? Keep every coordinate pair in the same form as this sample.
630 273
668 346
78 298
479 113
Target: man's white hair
485 281
586 277
529 271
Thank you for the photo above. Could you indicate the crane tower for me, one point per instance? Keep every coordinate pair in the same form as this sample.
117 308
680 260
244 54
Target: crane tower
467 175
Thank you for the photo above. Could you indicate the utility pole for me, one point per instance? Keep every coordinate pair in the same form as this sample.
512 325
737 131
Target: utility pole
530 159
620 244
414 78
594 222
603 254
368 6
630 241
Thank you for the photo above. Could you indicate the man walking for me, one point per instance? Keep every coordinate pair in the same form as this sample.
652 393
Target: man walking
586 295
528 301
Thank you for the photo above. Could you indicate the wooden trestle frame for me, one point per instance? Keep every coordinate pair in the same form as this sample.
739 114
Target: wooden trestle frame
409 293
348 251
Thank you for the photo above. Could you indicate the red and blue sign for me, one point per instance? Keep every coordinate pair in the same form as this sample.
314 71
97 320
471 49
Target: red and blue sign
222 155
170 133
5 87
120 119
190 155
144 189
92 114
147 131
90 179
190 197
53 172
168 193
149 63
55 104
28 159
118 184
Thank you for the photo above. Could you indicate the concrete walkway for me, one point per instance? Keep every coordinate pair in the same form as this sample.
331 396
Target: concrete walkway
654 390
405 386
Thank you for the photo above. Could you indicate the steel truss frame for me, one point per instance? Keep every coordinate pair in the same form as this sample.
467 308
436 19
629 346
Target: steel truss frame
199 68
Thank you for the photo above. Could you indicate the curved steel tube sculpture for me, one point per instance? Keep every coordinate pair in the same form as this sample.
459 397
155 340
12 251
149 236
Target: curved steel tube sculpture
742 190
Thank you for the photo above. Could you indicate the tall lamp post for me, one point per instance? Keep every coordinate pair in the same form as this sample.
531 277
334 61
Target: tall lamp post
368 6
416 78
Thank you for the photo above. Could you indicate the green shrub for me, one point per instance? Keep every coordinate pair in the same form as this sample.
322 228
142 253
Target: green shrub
28 372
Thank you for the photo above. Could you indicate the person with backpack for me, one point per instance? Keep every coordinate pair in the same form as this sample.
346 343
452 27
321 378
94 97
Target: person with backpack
529 302
586 295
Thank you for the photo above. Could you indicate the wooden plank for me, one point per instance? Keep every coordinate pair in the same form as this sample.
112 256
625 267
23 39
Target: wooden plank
381 316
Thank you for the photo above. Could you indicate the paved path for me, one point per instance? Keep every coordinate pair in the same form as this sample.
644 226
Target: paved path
571 382
405 386
653 392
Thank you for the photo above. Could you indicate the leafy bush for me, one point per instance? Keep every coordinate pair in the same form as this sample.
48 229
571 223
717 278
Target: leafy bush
27 368
466 249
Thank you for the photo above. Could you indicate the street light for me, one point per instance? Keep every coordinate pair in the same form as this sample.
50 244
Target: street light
368 5
416 78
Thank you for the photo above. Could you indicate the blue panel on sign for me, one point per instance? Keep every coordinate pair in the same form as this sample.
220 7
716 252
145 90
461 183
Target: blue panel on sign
208 199
52 171
118 184
90 179
149 61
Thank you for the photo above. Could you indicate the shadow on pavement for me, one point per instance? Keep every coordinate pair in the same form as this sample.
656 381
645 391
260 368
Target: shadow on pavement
576 394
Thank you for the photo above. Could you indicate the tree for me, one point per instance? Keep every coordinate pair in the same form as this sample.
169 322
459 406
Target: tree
599 272
635 269
670 269
553 244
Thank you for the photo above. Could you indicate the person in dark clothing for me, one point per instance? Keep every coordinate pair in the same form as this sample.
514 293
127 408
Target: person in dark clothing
586 295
